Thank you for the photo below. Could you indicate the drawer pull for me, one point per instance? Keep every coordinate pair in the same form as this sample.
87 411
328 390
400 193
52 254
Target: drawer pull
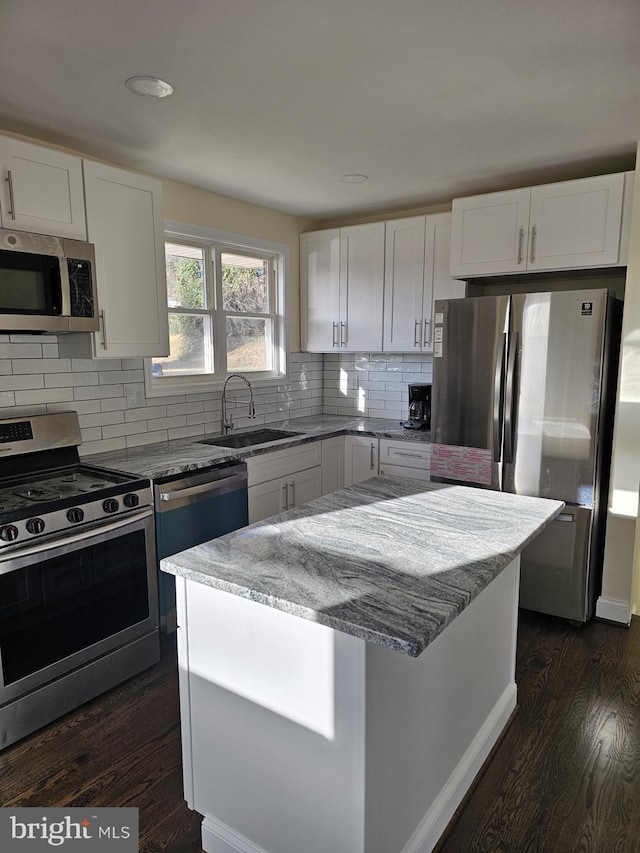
412 455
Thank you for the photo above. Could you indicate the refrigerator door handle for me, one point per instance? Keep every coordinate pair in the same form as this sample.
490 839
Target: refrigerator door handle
509 401
497 400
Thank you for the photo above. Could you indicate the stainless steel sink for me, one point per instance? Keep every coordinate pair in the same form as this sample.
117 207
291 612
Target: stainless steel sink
248 439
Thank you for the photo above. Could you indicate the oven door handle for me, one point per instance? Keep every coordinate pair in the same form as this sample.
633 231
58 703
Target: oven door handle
19 556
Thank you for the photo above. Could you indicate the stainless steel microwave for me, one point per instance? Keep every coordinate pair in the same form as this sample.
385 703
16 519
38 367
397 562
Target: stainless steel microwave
47 284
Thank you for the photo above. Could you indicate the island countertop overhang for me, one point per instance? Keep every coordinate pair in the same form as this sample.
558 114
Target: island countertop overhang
390 560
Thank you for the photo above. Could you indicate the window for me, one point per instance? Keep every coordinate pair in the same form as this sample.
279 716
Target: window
225 301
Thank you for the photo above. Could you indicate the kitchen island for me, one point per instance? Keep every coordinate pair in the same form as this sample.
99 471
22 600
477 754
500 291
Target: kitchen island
346 667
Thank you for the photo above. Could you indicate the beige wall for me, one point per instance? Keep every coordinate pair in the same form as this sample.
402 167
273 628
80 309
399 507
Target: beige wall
186 203
618 587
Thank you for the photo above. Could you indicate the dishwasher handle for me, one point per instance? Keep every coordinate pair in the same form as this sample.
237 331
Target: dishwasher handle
176 497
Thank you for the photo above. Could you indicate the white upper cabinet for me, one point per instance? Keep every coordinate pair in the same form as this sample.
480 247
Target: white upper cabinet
568 225
320 289
404 292
125 222
576 223
361 287
416 273
342 281
41 190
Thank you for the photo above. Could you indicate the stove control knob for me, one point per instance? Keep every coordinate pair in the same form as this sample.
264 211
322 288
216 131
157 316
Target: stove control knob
8 532
75 515
130 500
110 505
35 525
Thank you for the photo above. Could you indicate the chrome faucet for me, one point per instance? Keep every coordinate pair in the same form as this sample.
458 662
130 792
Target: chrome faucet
226 423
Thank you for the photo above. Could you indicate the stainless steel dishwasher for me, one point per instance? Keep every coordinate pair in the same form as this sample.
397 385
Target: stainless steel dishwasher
193 508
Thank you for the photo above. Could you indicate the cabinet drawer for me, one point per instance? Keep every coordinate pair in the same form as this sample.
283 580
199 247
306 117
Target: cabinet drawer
280 463
411 454
405 471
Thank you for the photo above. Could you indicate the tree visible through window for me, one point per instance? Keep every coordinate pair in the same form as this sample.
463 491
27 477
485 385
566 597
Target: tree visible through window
223 312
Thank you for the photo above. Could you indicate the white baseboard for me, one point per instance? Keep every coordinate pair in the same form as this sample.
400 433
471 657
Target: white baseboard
610 610
217 837
435 821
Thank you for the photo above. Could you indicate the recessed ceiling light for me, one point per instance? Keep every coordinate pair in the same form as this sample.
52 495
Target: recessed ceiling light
151 87
354 179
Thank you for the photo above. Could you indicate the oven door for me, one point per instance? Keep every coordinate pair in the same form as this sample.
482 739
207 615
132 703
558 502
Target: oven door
70 600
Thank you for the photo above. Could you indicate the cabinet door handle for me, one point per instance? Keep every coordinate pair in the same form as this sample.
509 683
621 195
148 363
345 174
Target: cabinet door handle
334 338
373 456
427 337
103 323
532 256
293 494
12 206
343 334
520 239
285 489
416 333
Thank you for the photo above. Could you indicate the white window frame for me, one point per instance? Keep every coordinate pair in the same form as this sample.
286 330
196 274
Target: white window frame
162 386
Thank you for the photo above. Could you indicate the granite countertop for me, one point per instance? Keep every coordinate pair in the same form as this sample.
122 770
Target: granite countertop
390 560
179 456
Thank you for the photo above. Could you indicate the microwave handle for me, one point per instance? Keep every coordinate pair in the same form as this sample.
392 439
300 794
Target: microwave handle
103 325
12 204
65 288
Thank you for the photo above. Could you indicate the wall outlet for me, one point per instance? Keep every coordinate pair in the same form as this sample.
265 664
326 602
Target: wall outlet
355 382
134 398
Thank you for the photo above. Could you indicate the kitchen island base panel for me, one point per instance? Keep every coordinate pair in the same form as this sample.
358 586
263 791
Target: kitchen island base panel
298 737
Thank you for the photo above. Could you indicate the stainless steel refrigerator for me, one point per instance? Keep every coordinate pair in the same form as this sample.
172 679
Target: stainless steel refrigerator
522 401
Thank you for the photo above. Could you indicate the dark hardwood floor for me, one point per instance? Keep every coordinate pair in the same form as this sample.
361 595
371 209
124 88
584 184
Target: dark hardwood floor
564 779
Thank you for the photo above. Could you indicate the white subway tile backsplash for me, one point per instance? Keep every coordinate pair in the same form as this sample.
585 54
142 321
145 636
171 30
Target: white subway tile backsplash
103 446
30 350
33 378
185 409
21 383
101 419
116 430
186 432
42 365
113 404
42 395
111 377
98 392
147 438
146 413
70 380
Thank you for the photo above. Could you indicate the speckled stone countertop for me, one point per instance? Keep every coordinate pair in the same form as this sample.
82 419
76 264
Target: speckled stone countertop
169 458
390 560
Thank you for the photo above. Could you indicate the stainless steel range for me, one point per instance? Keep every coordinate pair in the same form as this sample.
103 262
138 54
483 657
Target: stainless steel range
78 588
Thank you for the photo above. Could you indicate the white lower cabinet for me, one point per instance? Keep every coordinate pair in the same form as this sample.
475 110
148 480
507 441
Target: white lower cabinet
274 496
284 479
332 464
360 458
405 459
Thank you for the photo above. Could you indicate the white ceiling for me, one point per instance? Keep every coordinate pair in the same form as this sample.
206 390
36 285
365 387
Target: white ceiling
275 100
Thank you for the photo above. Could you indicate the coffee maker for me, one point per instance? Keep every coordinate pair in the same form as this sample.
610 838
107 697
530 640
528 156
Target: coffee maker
419 406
